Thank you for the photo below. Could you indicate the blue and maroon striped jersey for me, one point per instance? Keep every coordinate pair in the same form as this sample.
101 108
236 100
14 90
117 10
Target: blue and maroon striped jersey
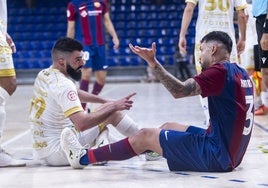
230 99
88 17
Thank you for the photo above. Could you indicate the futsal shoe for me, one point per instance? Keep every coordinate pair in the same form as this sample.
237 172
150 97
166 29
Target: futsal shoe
152 156
264 148
72 148
6 160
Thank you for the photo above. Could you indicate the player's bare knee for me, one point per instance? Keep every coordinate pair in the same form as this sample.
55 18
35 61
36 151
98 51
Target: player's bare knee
86 73
101 80
9 85
264 72
143 135
116 117
139 141
13 87
166 125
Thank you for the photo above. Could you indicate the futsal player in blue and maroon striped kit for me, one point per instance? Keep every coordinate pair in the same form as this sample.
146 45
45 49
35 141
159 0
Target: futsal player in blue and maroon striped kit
220 147
85 23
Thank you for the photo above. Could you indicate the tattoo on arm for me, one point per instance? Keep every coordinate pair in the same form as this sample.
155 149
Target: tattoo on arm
191 87
176 87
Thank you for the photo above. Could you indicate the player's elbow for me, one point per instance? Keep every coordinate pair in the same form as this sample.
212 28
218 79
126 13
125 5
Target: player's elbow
85 123
79 121
80 127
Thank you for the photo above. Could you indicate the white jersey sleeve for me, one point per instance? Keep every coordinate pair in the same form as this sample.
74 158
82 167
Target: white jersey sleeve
3 21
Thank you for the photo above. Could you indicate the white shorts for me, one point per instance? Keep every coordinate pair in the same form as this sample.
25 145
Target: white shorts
247 59
88 137
6 62
58 158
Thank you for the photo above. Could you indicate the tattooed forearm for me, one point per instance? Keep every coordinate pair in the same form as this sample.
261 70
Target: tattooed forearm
191 87
176 87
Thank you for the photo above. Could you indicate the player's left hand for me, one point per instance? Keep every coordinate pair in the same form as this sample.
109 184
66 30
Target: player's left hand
148 54
11 43
240 46
116 43
264 42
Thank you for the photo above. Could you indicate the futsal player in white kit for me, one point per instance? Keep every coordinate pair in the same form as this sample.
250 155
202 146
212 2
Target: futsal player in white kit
56 104
7 81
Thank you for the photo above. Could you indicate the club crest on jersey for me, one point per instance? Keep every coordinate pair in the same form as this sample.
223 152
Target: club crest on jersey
97 4
83 13
72 96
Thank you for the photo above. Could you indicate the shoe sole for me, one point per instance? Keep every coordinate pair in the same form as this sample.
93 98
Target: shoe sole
12 166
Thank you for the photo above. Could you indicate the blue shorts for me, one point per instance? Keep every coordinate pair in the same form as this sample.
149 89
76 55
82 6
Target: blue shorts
95 57
193 151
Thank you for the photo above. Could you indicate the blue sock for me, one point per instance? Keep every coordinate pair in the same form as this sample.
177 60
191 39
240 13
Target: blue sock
84 160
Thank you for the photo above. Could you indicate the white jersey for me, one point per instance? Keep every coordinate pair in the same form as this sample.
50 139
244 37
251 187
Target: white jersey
6 60
3 21
54 99
247 57
216 15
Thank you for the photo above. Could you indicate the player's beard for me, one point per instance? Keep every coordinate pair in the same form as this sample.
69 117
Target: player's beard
204 65
203 69
74 73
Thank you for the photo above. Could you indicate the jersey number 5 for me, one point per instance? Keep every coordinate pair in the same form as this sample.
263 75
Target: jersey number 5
250 117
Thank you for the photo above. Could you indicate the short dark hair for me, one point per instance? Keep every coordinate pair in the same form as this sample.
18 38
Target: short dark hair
221 37
66 44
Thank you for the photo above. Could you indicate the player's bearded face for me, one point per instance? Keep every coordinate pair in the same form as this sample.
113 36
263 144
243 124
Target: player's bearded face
205 56
74 73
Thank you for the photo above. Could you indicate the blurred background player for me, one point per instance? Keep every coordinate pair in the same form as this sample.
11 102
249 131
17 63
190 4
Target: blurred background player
181 61
7 81
260 12
247 59
85 23
214 15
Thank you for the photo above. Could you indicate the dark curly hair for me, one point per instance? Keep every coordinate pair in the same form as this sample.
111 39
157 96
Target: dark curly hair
221 37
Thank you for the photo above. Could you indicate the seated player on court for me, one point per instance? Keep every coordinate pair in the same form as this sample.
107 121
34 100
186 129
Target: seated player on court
220 147
56 104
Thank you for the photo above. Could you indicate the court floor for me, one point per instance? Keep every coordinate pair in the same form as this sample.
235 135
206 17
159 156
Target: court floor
153 106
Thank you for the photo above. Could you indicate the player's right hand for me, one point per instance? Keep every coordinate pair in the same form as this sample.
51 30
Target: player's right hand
182 44
125 103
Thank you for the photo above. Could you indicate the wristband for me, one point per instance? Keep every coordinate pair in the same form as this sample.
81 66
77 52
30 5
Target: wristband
265 26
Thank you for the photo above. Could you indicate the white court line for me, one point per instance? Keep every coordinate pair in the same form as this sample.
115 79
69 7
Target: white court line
15 138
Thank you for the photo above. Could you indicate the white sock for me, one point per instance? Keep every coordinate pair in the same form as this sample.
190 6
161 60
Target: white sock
204 103
102 139
3 98
264 98
89 136
257 102
127 126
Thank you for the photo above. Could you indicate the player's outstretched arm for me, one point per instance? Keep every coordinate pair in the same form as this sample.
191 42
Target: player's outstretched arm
177 88
84 121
